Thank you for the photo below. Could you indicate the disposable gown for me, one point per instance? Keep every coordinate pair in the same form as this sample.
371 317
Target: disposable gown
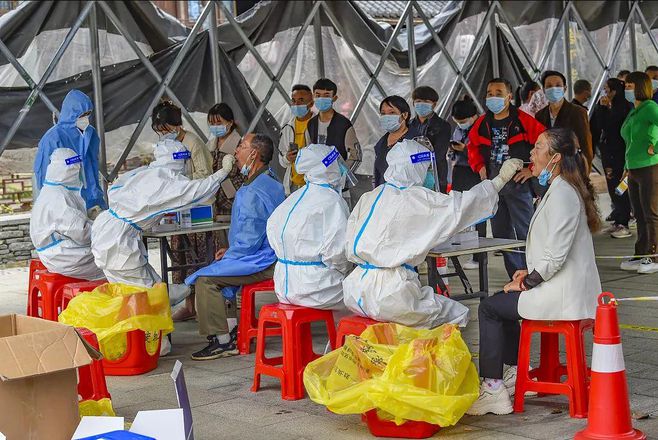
249 251
138 200
392 229
65 134
59 227
307 233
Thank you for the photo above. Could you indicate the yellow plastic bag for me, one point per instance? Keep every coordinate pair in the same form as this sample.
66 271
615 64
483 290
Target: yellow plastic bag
406 373
102 407
113 309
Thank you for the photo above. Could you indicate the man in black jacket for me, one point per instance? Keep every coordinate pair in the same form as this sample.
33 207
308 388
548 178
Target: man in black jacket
433 127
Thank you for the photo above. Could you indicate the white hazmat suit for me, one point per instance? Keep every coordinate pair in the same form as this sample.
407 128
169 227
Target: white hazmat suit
307 233
392 229
137 201
59 227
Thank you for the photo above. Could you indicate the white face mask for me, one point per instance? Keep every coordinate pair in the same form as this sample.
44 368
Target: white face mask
82 123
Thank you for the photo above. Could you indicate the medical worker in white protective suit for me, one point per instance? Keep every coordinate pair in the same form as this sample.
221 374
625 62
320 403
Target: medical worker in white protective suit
59 227
307 233
392 229
138 200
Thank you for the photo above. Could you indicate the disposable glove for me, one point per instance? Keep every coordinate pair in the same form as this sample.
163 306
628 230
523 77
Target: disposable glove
507 172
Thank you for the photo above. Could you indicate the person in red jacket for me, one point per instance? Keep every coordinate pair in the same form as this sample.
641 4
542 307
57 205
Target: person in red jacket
505 132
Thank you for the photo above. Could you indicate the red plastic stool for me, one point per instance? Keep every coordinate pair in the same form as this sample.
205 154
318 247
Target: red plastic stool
295 321
72 290
248 325
35 264
91 378
352 325
44 297
136 360
550 369
409 429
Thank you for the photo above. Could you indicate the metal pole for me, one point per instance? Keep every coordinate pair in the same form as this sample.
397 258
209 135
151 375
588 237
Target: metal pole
214 53
250 46
556 34
567 55
633 41
149 66
26 76
516 37
353 49
588 37
42 82
451 61
182 53
382 61
470 58
319 50
493 42
647 29
411 40
282 68
98 95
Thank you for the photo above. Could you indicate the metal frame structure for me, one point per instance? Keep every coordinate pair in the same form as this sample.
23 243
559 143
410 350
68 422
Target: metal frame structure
495 18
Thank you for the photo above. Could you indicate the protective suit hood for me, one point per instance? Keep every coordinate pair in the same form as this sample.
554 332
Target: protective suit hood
318 163
75 104
406 164
170 154
64 169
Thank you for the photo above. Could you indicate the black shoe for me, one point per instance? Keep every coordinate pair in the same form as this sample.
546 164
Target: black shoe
215 350
233 334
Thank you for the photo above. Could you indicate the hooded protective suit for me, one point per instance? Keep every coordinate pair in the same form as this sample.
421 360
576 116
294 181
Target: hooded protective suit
307 233
138 200
65 134
392 229
59 227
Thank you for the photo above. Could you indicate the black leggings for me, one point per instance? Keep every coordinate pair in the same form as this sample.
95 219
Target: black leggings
499 333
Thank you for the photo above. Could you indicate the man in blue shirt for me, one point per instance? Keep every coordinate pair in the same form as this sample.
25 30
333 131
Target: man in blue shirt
73 131
249 257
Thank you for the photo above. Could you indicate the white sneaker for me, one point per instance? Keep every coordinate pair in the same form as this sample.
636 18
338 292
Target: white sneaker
471 265
632 224
621 231
647 266
509 379
491 401
630 265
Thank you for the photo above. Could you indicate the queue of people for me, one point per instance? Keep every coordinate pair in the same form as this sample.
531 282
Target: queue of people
526 174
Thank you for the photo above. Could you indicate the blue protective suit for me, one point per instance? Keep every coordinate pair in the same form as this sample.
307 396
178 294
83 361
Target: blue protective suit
65 134
249 250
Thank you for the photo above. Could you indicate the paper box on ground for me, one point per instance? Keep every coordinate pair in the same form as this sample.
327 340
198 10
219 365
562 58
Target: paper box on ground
38 380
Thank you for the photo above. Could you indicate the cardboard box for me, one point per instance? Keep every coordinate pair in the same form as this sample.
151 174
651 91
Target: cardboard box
38 379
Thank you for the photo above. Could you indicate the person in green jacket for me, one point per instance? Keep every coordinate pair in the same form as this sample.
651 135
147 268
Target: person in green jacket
640 132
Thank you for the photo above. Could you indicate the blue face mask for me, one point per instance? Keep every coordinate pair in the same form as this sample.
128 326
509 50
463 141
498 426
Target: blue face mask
324 104
389 123
546 175
218 130
465 125
423 109
630 95
654 84
495 104
554 94
299 111
429 182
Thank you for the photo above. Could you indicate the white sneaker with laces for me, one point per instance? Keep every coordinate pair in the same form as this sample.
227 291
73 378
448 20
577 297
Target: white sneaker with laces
647 266
630 265
509 380
621 231
491 401
471 265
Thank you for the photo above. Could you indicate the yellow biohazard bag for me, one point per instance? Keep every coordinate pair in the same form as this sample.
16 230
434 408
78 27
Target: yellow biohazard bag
405 373
112 310
102 407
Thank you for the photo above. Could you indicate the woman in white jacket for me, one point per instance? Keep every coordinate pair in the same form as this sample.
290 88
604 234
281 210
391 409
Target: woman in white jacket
562 281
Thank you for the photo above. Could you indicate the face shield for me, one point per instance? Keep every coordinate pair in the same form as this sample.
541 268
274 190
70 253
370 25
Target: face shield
432 177
349 180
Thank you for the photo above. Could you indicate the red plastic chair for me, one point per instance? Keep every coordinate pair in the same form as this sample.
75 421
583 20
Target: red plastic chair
44 296
72 290
409 429
352 325
136 360
295 321
248 325
550 369
91 378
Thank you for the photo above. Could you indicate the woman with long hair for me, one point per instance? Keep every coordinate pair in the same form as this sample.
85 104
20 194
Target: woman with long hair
524 94
608 116
640 131
562 281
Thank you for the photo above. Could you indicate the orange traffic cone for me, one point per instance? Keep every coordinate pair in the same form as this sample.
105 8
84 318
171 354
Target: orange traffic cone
609 408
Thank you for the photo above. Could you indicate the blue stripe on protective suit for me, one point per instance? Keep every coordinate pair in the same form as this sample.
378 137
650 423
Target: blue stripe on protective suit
283 231
70 188
65 134
249 251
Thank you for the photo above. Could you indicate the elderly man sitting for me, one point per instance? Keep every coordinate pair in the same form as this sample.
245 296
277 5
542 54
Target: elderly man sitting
249 257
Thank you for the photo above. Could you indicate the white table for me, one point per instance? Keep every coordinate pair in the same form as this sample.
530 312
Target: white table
480 249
